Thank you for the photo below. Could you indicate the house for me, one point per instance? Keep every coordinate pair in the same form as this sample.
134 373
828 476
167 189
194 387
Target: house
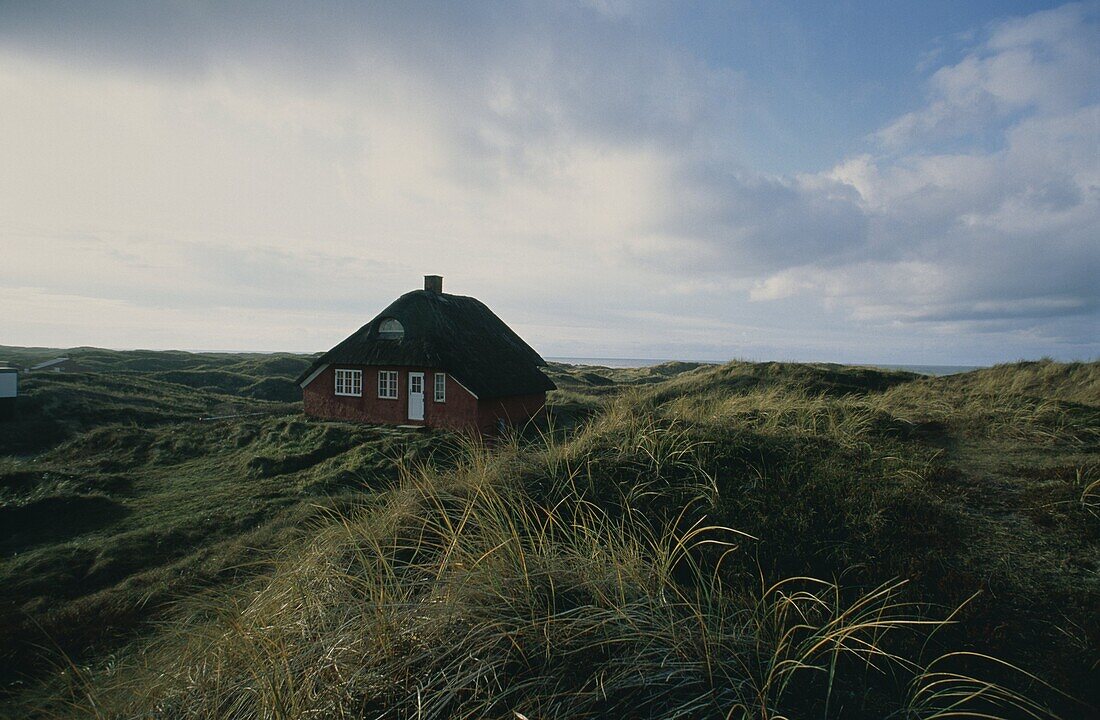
9 389
429 359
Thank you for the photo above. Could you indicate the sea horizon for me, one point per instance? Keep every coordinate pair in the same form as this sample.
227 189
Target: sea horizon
611 362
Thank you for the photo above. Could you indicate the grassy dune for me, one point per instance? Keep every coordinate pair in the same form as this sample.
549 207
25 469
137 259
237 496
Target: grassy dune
748 540
116 498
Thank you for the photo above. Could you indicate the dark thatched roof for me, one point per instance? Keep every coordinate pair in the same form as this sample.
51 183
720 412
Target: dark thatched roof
454 333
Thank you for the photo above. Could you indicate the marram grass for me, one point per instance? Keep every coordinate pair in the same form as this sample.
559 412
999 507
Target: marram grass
459 594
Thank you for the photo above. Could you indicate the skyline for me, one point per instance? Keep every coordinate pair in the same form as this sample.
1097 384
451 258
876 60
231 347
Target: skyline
876 183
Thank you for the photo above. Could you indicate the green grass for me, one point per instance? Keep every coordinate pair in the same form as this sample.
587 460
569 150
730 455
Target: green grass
117 499
748 541
261 376
150 514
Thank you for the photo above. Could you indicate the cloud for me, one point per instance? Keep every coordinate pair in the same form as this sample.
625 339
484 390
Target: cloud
1002 235
568 163
746 224
217 175
1042 63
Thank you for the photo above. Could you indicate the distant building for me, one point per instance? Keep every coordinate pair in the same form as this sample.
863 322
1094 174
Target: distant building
429 359
9 389
62 364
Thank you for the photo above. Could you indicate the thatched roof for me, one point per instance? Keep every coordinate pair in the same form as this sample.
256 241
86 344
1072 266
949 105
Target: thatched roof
454 333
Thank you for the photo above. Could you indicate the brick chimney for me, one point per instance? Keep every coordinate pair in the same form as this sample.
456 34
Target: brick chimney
433 283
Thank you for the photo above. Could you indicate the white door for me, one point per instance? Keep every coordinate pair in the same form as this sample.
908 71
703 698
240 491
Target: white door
416 396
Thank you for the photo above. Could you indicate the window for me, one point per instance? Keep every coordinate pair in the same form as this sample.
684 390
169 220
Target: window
349 382
390 329
387 384
440 387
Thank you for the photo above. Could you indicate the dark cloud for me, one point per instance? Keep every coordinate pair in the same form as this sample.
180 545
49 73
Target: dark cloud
758 224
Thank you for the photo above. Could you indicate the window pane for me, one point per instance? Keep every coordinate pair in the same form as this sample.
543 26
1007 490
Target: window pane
387 384
390 328
348 382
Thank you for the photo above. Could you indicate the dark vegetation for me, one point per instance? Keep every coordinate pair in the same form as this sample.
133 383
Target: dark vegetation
117 496
747 540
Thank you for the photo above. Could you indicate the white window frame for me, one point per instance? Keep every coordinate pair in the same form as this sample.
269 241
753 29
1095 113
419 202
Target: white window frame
348 383
439 388
387 384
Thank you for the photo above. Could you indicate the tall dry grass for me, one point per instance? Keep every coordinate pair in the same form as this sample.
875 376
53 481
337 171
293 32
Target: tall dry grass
460 593
978 409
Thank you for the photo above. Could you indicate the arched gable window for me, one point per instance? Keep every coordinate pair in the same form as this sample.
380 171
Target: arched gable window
390 329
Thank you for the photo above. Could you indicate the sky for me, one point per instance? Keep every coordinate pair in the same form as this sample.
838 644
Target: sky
879 182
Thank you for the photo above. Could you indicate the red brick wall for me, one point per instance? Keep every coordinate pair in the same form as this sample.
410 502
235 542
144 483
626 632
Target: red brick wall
514 410
458 410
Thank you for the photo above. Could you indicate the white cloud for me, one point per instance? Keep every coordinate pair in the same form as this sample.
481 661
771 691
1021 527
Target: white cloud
241 188
1045 62
570 169
781 285
1002 235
